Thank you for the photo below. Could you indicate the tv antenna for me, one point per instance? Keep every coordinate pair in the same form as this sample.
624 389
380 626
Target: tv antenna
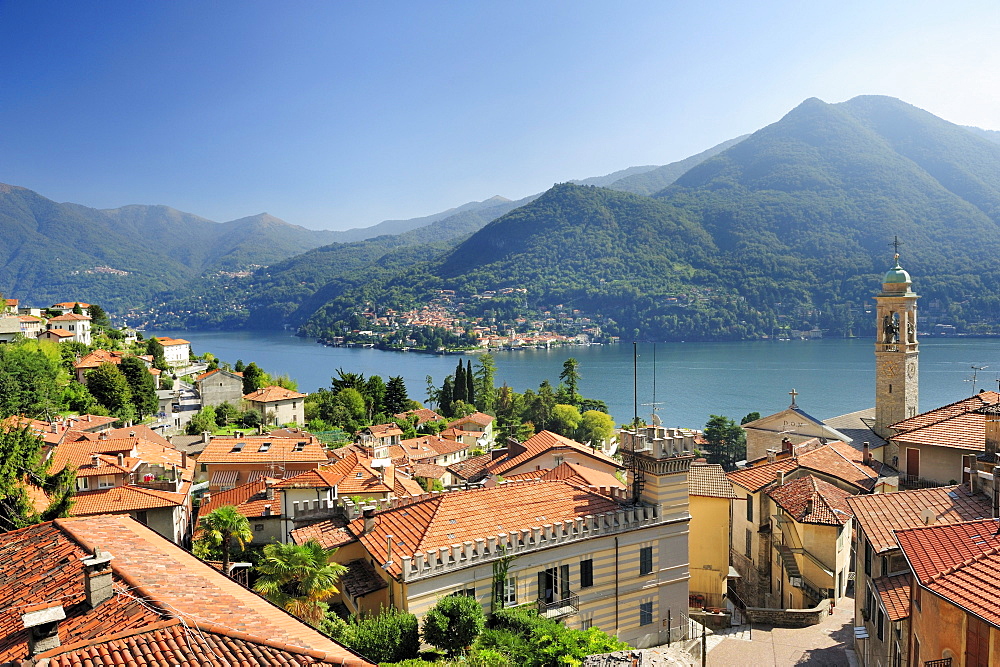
656 418
975 376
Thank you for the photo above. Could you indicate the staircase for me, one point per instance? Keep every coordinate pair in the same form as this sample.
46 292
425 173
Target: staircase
795 575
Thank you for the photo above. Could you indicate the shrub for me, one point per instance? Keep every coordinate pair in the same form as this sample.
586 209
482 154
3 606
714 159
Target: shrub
454 623
391 636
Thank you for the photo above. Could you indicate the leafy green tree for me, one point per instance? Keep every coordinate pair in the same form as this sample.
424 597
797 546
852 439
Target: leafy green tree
77 310
751 417
224 412
78 398
253 378
396 400
433 393
539 407
485 375
32 378
111 389
99 316
570 375
565 420
344 380
203 420
298 577
391 636
155 349
595 427
141 385
219 529
727 442
22 463
240 366
453 623
374 394
250 419
351 400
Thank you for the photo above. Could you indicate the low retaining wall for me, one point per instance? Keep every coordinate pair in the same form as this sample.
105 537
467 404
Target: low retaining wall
789 618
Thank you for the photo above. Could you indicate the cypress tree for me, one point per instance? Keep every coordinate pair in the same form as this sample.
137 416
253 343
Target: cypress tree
460 392
470 384
447 396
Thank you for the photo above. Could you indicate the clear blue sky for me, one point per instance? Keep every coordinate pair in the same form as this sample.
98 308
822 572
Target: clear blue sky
342 114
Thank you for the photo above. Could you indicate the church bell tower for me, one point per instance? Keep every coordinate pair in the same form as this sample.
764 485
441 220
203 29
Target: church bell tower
895 350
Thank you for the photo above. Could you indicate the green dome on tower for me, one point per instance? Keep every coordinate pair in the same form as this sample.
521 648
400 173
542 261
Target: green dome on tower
896 275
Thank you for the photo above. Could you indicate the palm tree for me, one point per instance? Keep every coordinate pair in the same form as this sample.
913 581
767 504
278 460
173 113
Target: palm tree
219 527
298 578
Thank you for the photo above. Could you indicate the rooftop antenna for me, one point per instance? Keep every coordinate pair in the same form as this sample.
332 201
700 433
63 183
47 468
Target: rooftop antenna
656 418
633 463
635 384
975 376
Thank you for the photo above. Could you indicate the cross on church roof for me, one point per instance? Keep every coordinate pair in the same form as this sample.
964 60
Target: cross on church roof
793 394
895 244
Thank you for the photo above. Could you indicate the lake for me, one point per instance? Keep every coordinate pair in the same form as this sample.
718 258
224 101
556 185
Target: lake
693 380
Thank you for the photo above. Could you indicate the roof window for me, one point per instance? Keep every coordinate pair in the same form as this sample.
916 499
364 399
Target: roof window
299 446
237 447
264 446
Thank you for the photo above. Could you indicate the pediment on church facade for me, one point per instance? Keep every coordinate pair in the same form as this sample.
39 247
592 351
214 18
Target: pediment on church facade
795 422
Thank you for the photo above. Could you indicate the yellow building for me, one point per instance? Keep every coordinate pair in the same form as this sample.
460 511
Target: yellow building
590 556
710 496
954 617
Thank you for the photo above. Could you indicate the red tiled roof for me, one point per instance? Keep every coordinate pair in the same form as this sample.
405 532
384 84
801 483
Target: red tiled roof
42 565
61 333
272 394
383 430
879 514
473 469
756 478
248 450
428 470
166 341
478 418
709 480
451 518
71 304
958 562
68 317
539 444
119 499
405 486
330 533
834 459
212 372
955 425
811 500
361 579
424 415
895 594
248 499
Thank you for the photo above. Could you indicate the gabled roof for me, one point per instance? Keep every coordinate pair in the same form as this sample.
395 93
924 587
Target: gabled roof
59 333
956 425
541 443
959 562
880 514
249 500
383 430
834 459
578 474
424 415
361 579
330 533
894 592
709 480
777 423
471 470
248 450
69 317
272 394
70 304
119 499
155 583
167 341
451 518
811 500
478 418
208 374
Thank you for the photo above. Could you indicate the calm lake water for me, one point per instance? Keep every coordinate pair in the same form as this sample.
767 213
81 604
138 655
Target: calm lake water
693 380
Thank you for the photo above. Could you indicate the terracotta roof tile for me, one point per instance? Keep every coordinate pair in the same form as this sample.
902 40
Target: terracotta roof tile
263 449
405 486
811 500
478 418
272 394
525 476
68 317
834 459
539 444
361 579
878 515
424 415
330 533
757 477
248 499
471 470
958 562
119 499
955 425
444 519
895 594
709 480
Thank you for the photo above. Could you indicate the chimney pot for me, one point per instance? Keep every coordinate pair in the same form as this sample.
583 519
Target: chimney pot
809 506
43 628
368 512
779 477
97 578
866 454
121 459
94 460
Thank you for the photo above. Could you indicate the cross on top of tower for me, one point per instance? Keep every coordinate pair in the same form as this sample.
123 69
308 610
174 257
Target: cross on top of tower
895 244
793 394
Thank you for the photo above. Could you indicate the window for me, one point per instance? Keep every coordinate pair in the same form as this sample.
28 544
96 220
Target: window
869 555
916 650
977 642
141 517
510 591
880 624
645 613
916 596
749 508
467 592
586 622
749 545
258 527
105 481
82 483
646 560
587 573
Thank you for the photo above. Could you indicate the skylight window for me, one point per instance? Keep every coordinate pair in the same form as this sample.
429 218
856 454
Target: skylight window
238 447
264 446
299 446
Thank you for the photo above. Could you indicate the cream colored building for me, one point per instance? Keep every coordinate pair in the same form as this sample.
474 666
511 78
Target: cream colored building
278 405
587 556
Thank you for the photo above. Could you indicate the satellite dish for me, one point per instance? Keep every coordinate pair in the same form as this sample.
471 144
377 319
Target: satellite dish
656 420
927 515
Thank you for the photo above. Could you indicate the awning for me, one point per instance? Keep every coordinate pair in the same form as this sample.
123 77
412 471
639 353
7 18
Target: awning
733 574
224 478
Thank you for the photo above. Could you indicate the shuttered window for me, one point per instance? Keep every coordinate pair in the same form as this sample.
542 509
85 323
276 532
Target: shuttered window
977 642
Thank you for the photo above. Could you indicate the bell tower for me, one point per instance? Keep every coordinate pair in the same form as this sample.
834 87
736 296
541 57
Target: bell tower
895 350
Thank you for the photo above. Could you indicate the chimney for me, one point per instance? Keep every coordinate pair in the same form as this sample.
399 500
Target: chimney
269 489
389 476
779 477
515 448
121 460
184 460
267 510
368 512
771 455
206 437
97 577
103 435
43 628
94 460
866 454
498 453
973 474
205 498
809 506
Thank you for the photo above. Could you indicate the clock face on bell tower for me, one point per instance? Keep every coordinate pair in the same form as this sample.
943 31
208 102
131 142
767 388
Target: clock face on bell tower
896 350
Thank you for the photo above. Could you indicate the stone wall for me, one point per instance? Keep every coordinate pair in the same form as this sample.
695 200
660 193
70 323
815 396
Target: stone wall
789 618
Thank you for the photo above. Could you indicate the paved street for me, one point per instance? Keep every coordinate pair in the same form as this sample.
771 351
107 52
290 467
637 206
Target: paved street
828 644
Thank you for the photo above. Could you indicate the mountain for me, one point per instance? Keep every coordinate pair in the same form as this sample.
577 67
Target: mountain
653 180
392 227
122 257
787 228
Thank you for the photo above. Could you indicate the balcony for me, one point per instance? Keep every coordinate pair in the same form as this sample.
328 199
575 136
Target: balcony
567 605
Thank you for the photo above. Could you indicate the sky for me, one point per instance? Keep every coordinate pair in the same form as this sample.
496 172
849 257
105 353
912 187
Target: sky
336 114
